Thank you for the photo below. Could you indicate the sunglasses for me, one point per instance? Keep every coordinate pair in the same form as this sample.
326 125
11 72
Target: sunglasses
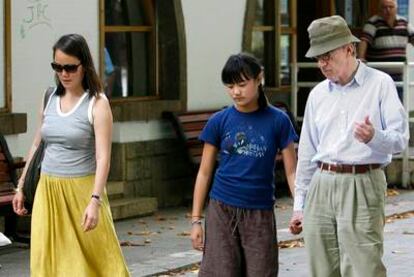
69 68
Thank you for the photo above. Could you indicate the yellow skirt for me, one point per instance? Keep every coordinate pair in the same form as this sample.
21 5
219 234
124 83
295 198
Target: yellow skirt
59 246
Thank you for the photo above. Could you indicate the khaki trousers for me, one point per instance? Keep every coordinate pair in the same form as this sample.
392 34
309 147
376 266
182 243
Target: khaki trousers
344 224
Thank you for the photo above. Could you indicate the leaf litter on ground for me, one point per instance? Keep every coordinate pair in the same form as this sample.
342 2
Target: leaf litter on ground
130 243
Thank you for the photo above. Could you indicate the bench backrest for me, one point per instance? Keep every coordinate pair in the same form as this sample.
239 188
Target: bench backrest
188 127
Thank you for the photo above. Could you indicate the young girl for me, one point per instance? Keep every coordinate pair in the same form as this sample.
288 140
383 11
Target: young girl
72 228
240 237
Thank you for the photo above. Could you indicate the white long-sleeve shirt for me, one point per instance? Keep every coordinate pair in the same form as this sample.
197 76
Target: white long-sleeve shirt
329 122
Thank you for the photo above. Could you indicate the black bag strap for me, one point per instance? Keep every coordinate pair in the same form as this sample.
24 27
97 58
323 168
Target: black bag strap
48 93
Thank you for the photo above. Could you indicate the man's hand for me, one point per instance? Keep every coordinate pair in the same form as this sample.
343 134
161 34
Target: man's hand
364 131
295 224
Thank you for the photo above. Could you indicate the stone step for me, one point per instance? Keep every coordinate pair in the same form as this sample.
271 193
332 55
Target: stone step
133 207
115 189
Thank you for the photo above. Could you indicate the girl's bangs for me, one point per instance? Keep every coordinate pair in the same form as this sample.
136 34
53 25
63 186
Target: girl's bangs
235 71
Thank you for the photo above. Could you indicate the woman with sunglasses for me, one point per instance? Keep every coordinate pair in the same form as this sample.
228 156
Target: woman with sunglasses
72 228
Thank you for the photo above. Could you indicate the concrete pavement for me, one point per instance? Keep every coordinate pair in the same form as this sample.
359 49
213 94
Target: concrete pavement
159 243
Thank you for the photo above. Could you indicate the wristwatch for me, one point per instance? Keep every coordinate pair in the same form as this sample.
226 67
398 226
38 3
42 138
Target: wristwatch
97 198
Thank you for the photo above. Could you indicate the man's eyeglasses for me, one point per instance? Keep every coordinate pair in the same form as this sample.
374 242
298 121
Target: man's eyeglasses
327 56
69 68
390 7
324 57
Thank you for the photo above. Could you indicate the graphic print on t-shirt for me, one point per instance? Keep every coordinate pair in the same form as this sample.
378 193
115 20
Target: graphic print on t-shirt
245 141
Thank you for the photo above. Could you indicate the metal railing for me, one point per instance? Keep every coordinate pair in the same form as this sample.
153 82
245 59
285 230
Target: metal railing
406 84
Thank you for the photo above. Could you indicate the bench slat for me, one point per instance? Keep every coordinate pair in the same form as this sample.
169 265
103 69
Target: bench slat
4 167
194 143
6 199
188 127
194 117
6 186
4 177
191 126
192 134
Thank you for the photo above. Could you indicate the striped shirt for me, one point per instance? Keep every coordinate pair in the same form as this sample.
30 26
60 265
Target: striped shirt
387 43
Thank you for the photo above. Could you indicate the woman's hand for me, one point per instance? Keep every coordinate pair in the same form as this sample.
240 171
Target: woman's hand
197 238
91 215
18 203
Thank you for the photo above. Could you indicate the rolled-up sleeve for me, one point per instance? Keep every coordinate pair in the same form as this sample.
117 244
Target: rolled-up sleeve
393 137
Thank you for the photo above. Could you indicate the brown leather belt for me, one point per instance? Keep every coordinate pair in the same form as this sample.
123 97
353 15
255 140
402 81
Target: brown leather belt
348 168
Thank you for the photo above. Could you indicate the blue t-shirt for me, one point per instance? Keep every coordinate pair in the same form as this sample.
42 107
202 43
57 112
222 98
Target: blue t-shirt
248 144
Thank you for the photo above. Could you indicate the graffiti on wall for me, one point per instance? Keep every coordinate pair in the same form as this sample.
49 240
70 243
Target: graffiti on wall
35 16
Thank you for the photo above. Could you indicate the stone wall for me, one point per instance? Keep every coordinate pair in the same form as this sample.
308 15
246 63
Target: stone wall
394 172
152 168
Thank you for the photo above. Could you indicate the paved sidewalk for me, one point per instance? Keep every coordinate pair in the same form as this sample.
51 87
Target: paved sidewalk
161 242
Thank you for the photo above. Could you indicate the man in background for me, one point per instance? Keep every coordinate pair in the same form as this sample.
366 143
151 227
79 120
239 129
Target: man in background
384 38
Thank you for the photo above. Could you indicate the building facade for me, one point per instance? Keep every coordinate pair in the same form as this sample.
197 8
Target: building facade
153 56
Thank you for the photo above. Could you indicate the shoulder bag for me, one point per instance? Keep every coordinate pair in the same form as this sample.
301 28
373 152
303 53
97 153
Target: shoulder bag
33 170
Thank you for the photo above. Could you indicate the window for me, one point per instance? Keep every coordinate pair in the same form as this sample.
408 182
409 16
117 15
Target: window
130 49
270 35
357 12
143 57
403 8
4 56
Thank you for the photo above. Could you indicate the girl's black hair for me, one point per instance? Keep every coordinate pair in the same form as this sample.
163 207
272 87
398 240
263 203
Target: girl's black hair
241 67
76 45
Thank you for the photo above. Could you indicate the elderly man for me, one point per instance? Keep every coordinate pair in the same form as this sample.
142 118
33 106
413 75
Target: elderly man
385 37
352 126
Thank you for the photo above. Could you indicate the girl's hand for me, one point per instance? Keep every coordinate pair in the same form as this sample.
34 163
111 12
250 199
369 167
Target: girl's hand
91 215
197 237
18 203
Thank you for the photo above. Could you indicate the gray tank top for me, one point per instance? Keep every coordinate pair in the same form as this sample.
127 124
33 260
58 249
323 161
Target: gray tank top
69 138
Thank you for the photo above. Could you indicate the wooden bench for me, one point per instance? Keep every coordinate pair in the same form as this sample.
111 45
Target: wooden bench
187 127
8 182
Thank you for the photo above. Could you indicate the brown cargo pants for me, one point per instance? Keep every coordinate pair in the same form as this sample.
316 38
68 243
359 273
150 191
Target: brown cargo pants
239 242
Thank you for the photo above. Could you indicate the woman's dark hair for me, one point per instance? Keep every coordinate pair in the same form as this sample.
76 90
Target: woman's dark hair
241 67
76 45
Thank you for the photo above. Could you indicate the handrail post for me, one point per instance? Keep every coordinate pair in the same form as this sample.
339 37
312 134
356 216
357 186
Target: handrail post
295 90
406 178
